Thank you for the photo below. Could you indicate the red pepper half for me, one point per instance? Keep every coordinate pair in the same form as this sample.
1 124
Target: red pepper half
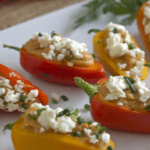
55 71
28 86
113 116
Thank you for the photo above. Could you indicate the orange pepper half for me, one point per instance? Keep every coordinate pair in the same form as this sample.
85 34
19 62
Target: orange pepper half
28 140
107 61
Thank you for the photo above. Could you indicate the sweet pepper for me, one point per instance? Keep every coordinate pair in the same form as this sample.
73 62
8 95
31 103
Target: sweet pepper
113 116
108 61
13 76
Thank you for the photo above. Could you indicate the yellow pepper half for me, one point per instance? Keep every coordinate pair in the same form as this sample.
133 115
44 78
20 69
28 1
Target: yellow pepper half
27 140
107 61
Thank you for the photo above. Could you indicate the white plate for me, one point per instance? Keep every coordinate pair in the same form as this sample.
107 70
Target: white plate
62 21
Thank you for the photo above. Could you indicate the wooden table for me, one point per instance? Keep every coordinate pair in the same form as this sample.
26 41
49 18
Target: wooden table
16 11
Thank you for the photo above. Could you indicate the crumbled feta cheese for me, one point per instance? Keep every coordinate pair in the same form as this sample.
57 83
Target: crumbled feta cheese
46 56
42 129
5 82
60 57
70 64
12 74
122 66
55 96
147 28
19 86
147 12
2 91
94 124
144 21
92 138
32 95
2 106
111 26
105 137
120 103
11 107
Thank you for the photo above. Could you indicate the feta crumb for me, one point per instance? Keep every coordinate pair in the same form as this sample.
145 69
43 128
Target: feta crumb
55 96
42 129
5 82
105 137
32 95
2 91
120 103
12 74
60 57
70 64
122 66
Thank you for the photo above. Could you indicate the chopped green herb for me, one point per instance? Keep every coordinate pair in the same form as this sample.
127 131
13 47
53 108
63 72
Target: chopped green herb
132 108
12 47
131 46
53 33
147 108
25 106
5 103
89 122
46 75
62 62
40 34
76 112
69 108
131 80
39 111
99 41
93 30
9 126
80 120
115 30
32 117
148 64
101 130
2 96
110 148
87 106
93 56
64 112
64 98
55 101
22 98
130 84
69 58
78 134
96 134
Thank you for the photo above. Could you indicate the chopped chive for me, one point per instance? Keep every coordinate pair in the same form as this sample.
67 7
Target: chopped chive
131 46
93 56
89 122
94 30
64 98
2 96
132 108
64 112
9 126
53 33
22 98
32 117
148 64
76 112
69 108
62 62
80 120
69 58
101 130
25 106
46 75
40 34
39 111
55 101
115 30
99 41
130 84
96 134
110 148
78 134
5 103
131 80
147 108
87 106
60 114
12 47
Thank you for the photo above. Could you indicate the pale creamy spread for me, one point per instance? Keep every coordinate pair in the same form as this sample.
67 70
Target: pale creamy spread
59 49
120 47
43 119
14 97
116 90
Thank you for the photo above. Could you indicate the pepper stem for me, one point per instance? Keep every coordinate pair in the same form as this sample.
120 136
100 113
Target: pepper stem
148 64
90 89
8 126
12 47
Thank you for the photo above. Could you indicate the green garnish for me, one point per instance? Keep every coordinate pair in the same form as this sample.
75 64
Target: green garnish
5 103
76 112
89 122
80 120
55 101
147 108
2 96
25 106
101 129
93 30
53 33
11 47
87 106
62 62
64 112
46 75
40 34
115 30
99 41
22 98
64 98
78 134
130 84
32 117
69 58
9 126
132 108
96 134
39 111
110 148
93 56
148 64
127 9
131 46
69 108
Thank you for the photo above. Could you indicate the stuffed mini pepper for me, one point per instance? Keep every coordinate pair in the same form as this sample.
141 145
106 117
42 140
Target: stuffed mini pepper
57 59
42 127
120 103
16 92
119 52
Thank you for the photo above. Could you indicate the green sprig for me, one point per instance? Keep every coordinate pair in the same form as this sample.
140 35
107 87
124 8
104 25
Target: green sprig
94 30
11 47
8 126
